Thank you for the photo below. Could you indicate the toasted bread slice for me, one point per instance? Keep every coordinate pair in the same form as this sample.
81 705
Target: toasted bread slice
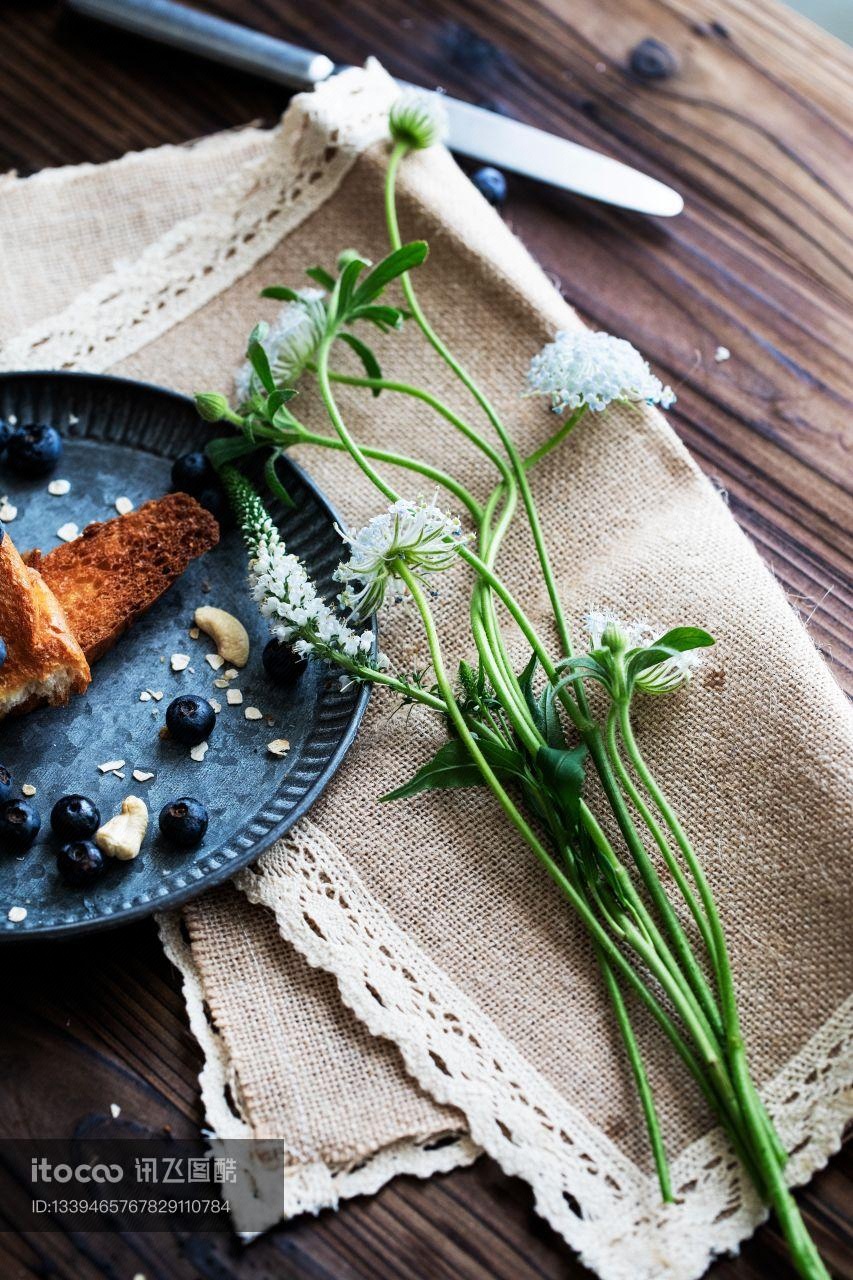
115 571
44 662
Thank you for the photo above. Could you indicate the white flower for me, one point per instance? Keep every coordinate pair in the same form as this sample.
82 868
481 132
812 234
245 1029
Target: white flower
417 533
418 119
606 628
597 622
296 612
592 370
290 343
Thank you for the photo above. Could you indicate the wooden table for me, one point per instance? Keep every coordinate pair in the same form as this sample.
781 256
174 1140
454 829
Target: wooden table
753 125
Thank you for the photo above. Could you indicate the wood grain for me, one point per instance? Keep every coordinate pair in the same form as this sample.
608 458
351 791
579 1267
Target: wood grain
755 129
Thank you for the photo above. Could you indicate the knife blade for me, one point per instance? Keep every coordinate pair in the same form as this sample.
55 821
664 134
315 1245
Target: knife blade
473 131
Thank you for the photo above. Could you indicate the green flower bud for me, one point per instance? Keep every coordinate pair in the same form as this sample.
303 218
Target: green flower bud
418 120
211 406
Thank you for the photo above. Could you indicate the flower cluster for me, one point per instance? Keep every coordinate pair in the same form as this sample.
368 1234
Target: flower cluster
607 630
417 534
285 594
296 612
591 370
418 119
290 344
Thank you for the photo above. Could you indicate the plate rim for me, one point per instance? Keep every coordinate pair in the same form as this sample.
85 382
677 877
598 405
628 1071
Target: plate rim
175 898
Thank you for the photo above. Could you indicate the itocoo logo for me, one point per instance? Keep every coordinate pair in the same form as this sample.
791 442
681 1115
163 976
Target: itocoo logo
42 1170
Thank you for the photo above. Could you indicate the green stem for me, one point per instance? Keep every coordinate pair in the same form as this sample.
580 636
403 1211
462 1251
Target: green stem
641 1080
465 378
599 934
439 407
410 464
657 835
762 1137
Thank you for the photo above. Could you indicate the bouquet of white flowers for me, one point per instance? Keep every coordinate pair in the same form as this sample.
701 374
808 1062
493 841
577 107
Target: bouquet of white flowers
529 735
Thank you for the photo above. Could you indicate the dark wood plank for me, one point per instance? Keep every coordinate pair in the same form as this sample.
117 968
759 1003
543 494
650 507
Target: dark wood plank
755 128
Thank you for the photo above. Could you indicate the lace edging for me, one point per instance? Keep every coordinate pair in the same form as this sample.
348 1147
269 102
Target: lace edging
603 1205
310 152
307 1188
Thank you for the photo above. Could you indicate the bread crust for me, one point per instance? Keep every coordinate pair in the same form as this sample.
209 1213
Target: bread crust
116 570
44 662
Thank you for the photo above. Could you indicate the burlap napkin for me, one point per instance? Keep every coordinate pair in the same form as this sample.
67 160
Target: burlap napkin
455 989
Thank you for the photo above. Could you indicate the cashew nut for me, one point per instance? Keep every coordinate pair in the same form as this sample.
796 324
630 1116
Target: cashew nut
122 836
228 633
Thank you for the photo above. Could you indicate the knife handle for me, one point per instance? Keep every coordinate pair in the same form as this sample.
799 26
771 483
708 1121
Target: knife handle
213 38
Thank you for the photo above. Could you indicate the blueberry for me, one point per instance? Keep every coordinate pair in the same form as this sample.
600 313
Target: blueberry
34 451
19 825
282 663
490 183
190 719
80 863
74 818
5 784
4 652
184 821
193 473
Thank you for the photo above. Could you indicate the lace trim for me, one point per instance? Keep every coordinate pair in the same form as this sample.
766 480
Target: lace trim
308 1188
309 154
599 1200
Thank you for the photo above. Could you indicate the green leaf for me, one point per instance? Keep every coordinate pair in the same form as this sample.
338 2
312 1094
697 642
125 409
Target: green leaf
452 768
543 709
282 293
384 317
562 771
273 483
365 355
401 260
322 277
261 365
346 283
684 638
227 449
279 397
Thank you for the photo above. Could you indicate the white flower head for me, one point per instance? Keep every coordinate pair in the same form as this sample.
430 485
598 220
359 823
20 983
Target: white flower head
418 119
592 370
608 630
417 533
291 343
296 612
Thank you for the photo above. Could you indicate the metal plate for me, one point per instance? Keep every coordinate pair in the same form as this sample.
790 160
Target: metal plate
121 445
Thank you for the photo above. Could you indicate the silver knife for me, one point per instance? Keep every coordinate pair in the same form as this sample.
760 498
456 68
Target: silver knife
474 131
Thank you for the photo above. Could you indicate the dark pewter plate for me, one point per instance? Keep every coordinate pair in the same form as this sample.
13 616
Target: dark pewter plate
120 439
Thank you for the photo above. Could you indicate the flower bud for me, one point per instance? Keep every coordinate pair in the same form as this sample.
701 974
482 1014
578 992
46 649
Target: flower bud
418 120
212 406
